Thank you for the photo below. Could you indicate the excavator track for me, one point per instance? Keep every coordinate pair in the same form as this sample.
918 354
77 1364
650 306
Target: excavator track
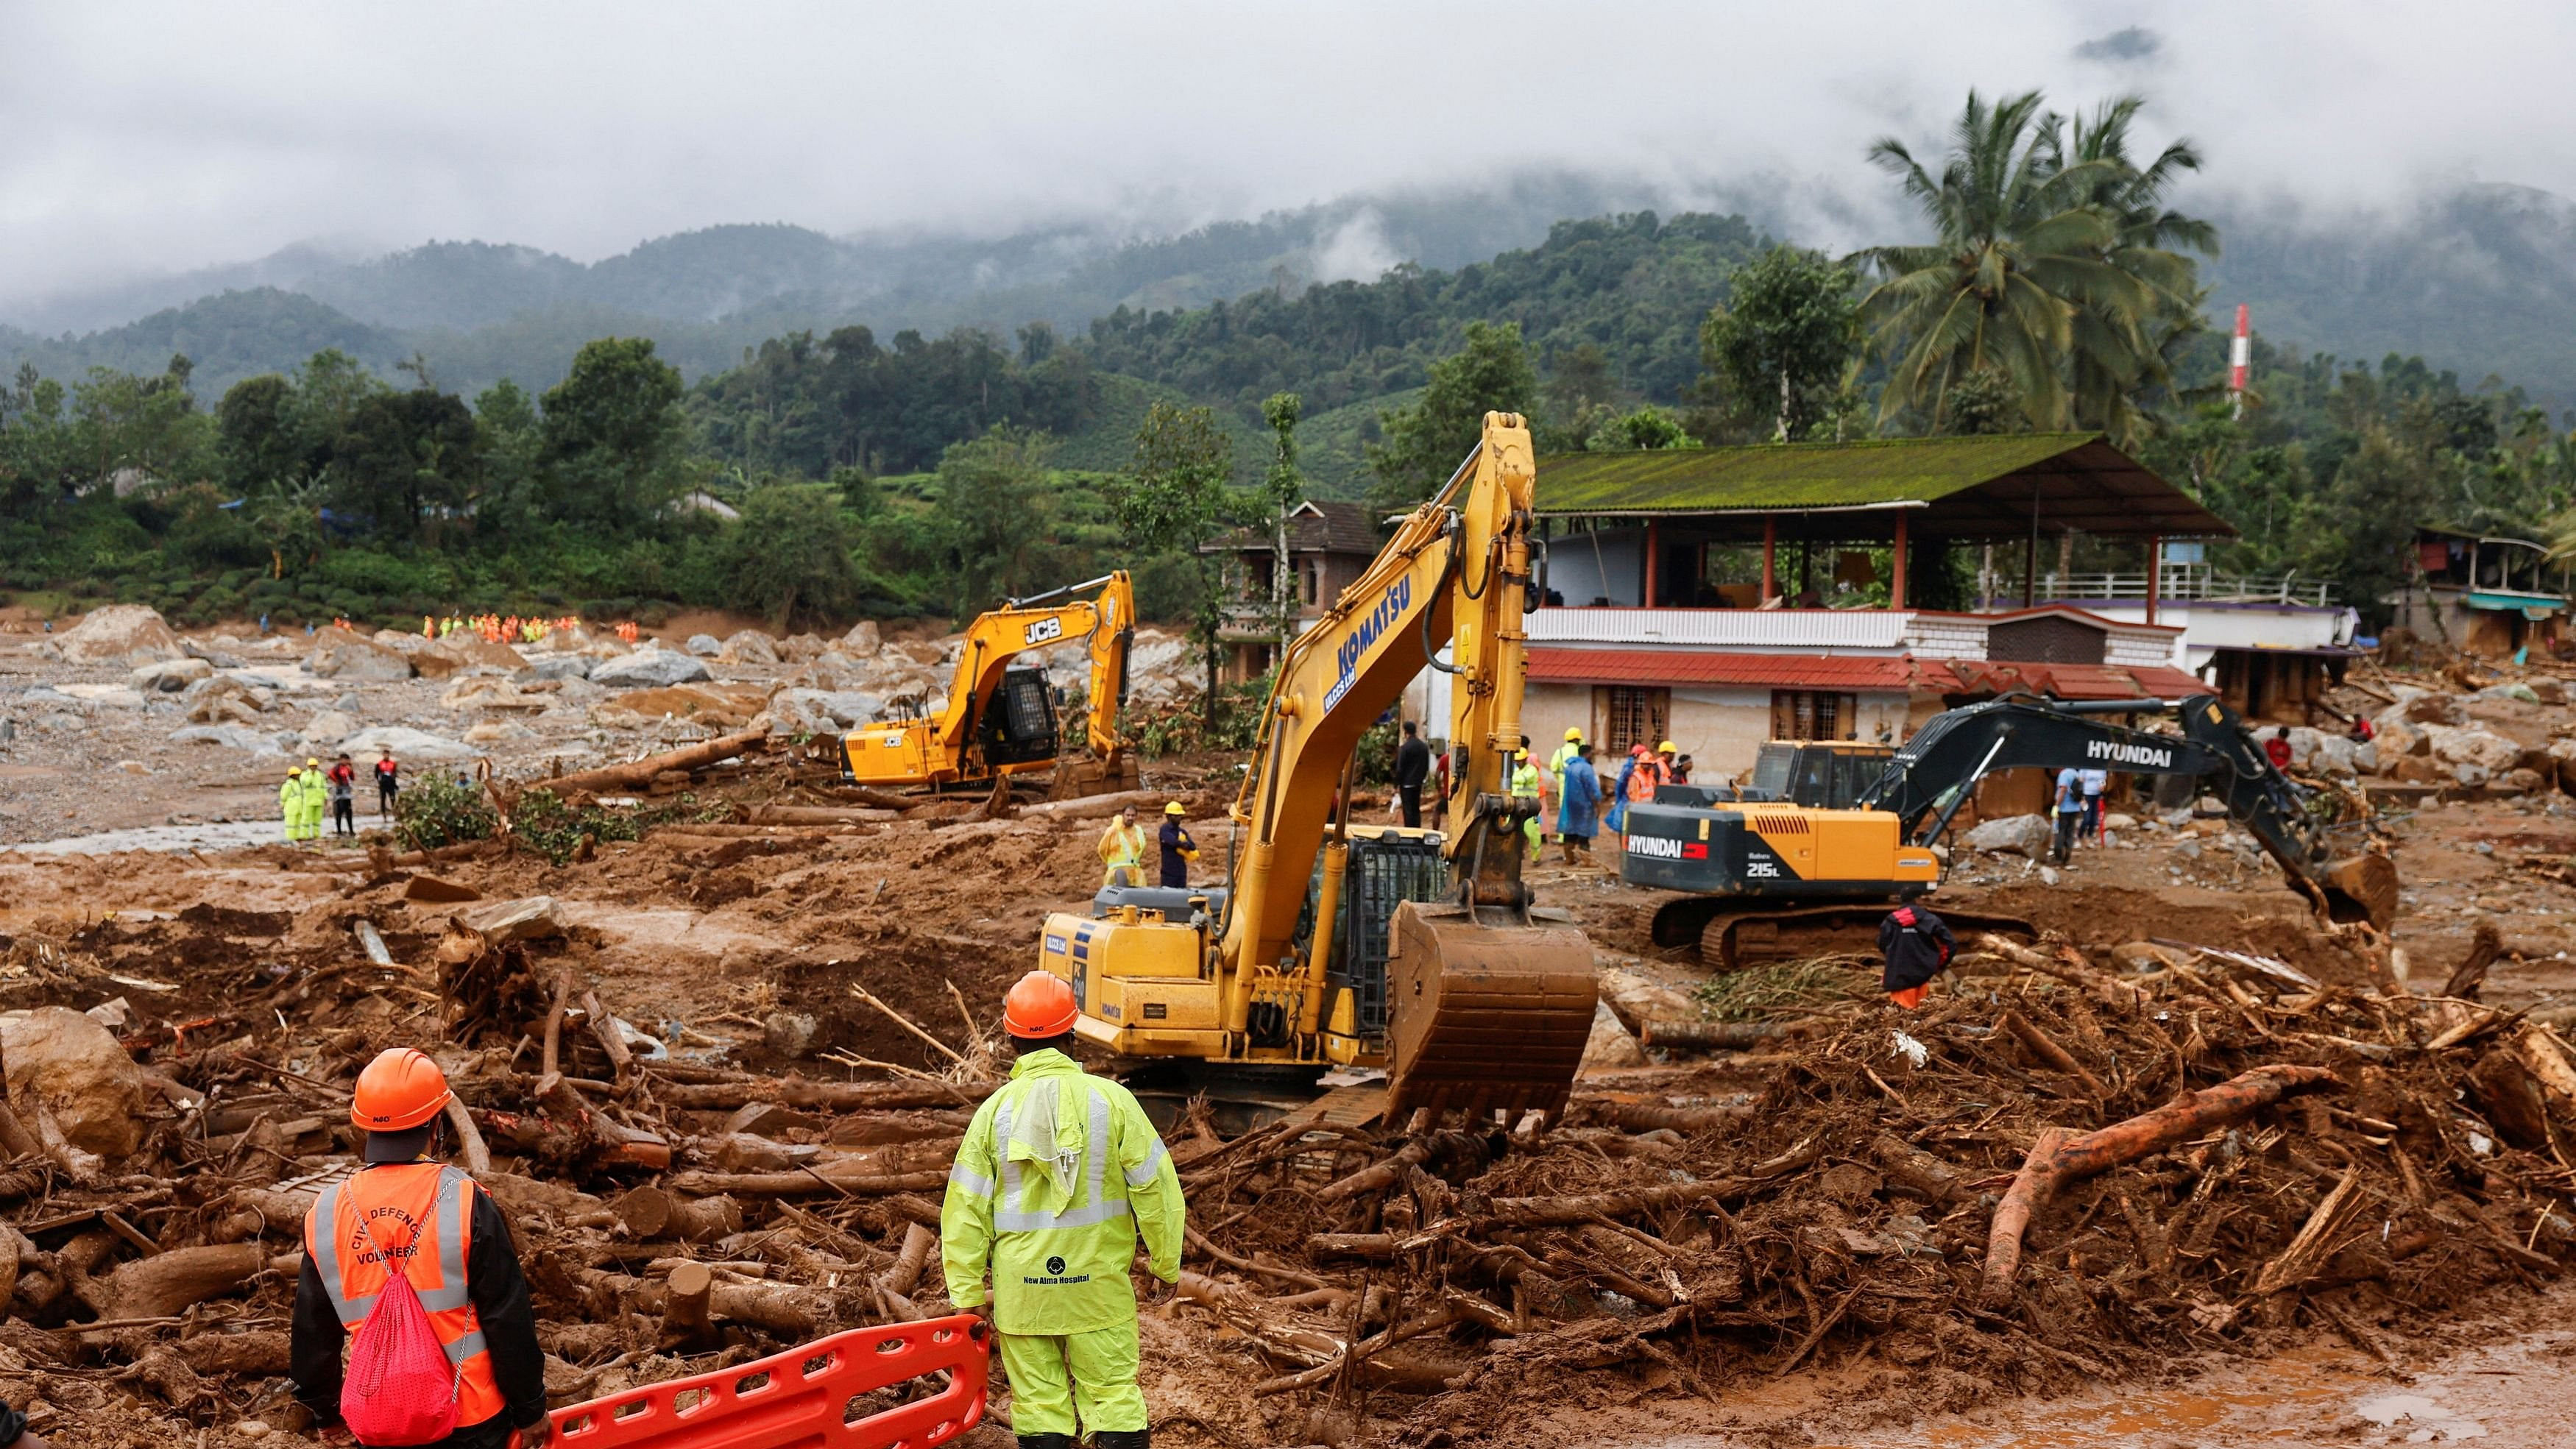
1733 939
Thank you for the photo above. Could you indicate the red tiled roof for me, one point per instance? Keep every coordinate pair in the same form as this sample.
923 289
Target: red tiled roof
1769 671
1857 672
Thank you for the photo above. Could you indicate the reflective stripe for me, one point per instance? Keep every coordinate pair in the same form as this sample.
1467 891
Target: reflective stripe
464 1348
1080 1217
453 1198
1097 1148
1143 1172
325 1243
1002 1151
454 1192
978 1185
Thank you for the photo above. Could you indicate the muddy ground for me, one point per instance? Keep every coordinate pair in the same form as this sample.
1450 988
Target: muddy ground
710 946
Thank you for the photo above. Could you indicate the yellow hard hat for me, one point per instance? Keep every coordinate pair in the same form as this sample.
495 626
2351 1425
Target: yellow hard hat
1665 748
1174 809
1520 754
1574 736
312 764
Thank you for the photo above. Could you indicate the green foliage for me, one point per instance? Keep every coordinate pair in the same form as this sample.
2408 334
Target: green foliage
613 437
433 810
2048 266
1174 497
1640 429
1490 373
791 551
1774 356
1790 986
995 511
545 824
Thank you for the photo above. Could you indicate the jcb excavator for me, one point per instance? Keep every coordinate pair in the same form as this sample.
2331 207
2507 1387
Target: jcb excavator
1403 950
1000 717
1778 880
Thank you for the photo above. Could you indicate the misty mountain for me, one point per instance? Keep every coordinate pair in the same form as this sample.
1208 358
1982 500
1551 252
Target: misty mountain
2480 280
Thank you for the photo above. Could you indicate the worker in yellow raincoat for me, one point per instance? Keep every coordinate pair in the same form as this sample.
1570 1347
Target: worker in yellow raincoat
1059 1177
1122 850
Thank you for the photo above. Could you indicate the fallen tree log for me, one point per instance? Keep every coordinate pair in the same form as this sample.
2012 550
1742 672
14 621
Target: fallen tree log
822 1096
687 1307
163 1284
638 775
817 815
1650 1117
2110 991
804 1183
1715 1035
2043 1046
1437 1149
1092 807
650 1213
2059 1158
2485 945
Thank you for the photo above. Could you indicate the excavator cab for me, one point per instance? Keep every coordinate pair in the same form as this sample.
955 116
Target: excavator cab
1019 727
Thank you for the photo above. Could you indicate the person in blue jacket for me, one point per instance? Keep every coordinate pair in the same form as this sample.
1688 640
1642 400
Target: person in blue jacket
1576 803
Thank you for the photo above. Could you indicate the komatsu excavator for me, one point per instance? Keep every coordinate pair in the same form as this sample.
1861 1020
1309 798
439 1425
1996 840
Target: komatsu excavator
1370 946
1000 718
1772 879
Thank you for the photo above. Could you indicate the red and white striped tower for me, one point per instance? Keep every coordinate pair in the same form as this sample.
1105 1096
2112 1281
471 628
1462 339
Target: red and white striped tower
2240 359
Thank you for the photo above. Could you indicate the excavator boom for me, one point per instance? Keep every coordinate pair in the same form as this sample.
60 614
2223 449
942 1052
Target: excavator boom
1479 1001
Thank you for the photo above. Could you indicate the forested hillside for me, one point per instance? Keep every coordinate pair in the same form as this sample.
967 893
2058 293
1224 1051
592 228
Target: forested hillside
606 447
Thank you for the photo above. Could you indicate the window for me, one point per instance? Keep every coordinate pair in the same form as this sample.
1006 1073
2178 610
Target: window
1812 714
1634 716
1311 576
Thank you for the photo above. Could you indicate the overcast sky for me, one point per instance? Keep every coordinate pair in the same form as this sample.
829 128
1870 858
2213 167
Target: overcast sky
137 138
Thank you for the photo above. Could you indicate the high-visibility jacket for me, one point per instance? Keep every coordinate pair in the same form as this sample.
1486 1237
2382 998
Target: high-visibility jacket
1525 779
1556 766
1122 847
1650 772
421 1214
1058 1260
290 801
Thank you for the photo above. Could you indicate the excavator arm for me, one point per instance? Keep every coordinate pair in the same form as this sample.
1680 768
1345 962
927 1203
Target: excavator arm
1108 619
1937 771
1489 1003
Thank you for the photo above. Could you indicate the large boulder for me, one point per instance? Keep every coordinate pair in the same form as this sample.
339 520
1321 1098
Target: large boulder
128 634
2399 738
862 641
705 646
798 648
2422 706
406 744
341 654
1161 668
170 676
490 691
74 1067
401 641
1610 1047
2321 752
2485 749
650 669
327 730
2023 835
747 646
230 736
556 666
459 652
820 712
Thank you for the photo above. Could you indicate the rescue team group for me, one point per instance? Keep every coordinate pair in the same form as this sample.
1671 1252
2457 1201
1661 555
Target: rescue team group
413 1324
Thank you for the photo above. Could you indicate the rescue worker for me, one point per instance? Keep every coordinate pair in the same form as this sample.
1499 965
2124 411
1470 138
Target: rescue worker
343 780
317 799
290 805
1059 1175
1563 757
388 781
1915 946
1577 802
1525 786
1412 767
1122 850
1178 849
454 1246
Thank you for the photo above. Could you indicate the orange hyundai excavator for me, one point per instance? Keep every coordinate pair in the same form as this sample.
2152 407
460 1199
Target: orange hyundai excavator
999 719
1369 946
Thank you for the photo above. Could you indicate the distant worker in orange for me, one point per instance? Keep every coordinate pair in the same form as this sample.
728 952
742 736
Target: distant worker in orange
451 1244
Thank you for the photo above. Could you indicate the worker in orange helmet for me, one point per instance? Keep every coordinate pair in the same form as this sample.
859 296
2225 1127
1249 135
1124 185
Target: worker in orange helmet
1059 1176
452 1244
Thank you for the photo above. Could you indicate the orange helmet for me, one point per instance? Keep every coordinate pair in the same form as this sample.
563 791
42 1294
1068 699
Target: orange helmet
399 1090
1039 1006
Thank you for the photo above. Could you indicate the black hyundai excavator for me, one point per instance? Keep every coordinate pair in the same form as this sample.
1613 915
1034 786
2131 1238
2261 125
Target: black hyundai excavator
1777 880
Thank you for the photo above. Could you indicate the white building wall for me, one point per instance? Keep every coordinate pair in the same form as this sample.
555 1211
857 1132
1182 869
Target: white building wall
1758 631
1578 564
1938 636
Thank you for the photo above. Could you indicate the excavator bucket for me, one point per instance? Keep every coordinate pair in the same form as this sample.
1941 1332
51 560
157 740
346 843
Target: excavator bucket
1082 779
2362 888
1485 1012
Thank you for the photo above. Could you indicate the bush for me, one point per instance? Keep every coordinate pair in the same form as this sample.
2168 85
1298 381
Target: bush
556 830
434 811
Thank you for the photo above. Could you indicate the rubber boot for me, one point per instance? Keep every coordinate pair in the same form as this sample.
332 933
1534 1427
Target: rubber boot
1046 1441
1123 1439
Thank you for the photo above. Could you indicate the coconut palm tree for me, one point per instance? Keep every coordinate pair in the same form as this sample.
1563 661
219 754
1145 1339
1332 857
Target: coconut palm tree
2119 356
2019 251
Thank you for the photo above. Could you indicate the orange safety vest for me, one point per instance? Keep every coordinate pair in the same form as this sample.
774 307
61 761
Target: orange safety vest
1643 780
423 1214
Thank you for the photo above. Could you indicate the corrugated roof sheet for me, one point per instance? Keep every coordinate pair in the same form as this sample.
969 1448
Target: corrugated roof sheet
1857 672
1969 487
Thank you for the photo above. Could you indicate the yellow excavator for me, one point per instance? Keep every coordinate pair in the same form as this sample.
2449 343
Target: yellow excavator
1000 717
1335 944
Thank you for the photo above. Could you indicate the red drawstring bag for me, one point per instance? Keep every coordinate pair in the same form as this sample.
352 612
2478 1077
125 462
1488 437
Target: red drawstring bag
400 1388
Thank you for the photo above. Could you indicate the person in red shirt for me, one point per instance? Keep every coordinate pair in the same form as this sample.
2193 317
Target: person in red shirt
388 782
2277 748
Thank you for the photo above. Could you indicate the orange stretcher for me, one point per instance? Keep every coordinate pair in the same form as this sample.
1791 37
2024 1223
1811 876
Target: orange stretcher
811 1397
